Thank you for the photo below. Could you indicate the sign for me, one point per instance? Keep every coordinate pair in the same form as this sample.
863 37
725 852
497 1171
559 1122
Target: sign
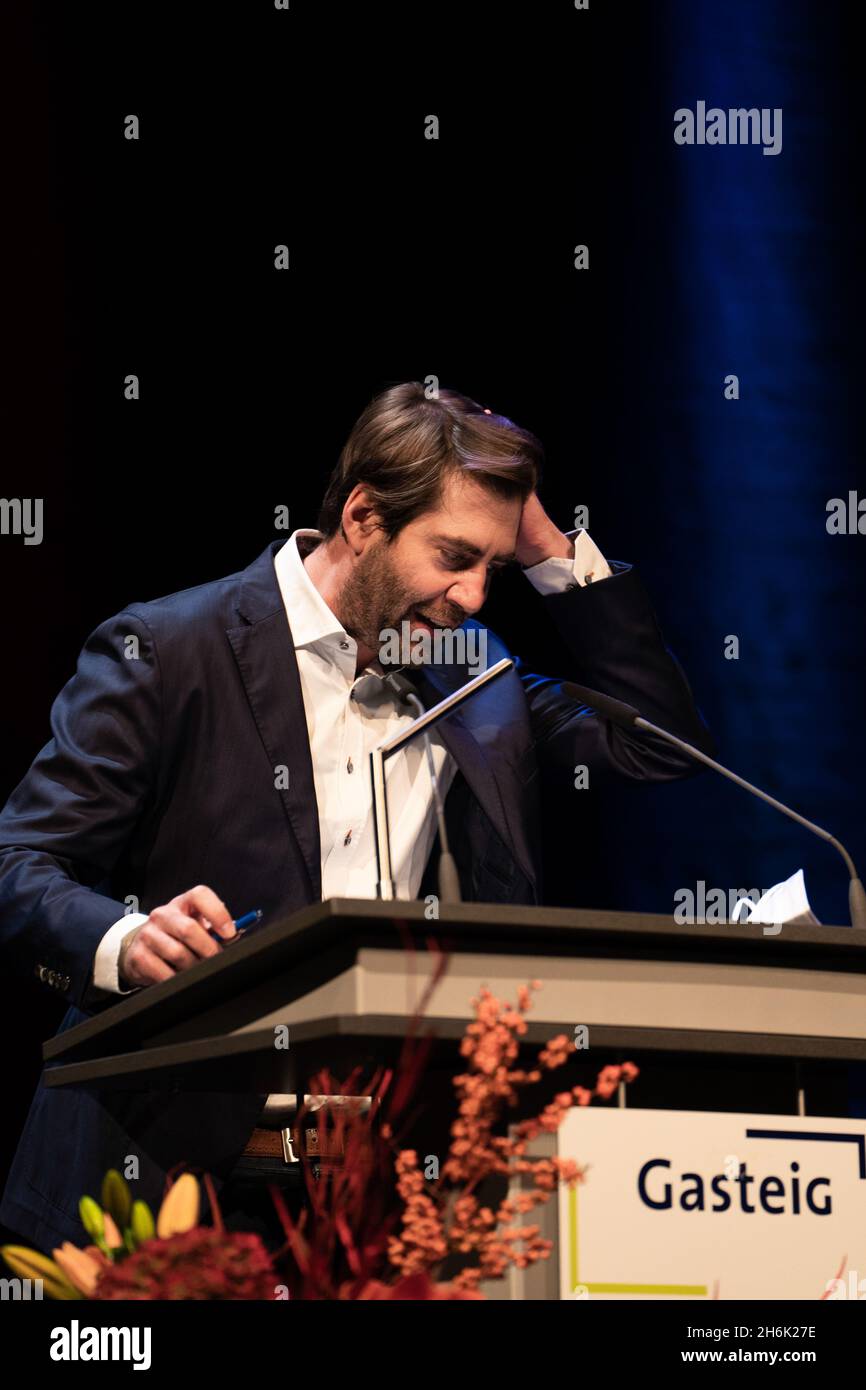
697 1204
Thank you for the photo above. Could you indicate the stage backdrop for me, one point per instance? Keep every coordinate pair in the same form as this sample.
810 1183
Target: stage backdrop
695 371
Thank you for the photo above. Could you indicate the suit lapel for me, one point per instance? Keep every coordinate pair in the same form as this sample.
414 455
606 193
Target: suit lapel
265 656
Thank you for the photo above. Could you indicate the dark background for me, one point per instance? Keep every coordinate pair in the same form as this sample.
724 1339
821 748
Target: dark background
454 257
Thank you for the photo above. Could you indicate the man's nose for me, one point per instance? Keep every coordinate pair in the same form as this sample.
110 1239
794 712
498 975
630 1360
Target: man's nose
469 592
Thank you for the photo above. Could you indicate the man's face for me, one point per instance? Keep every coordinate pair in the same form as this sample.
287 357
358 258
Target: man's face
436 572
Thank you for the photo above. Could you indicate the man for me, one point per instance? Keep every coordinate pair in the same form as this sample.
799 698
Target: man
210 756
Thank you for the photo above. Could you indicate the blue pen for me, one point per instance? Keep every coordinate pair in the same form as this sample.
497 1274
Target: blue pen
243 924
247 920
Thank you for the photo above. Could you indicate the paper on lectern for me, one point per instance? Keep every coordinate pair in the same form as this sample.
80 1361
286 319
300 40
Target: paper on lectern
785 903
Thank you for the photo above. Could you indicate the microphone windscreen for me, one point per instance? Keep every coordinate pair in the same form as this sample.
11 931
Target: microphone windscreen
617 711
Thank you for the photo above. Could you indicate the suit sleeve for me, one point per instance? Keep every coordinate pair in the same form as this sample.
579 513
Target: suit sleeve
67 822
610 640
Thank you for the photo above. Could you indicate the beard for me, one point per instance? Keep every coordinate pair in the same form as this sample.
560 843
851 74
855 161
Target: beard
378 597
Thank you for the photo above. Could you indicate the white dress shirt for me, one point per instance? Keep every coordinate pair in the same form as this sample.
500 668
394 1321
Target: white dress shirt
347 715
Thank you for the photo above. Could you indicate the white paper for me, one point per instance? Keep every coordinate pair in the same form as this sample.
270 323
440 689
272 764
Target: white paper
786 903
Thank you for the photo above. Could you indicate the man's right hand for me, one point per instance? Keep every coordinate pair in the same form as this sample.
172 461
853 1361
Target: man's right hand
174 937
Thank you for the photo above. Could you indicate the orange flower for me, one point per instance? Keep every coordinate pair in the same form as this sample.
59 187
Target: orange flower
81 1269
437 1219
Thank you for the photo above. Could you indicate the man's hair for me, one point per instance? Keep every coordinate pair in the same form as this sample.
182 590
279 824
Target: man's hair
405 444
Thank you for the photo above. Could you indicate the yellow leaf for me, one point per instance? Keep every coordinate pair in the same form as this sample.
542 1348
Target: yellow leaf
30 1264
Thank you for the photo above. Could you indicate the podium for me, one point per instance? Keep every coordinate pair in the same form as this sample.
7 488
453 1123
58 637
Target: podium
771 1022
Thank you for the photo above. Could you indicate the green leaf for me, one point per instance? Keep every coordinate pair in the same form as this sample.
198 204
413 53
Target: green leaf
142 1222
116 1197
91 1218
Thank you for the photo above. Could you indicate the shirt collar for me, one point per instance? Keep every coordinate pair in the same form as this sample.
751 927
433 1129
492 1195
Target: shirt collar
311 620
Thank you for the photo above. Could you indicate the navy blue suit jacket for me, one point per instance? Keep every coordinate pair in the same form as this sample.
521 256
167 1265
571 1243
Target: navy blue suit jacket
157 777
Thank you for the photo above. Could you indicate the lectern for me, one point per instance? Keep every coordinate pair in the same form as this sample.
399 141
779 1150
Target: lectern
764 1022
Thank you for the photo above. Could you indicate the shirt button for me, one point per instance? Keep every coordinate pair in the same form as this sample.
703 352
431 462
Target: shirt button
349 767
348 839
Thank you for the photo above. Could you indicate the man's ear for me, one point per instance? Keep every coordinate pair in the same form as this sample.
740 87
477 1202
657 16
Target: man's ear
360 520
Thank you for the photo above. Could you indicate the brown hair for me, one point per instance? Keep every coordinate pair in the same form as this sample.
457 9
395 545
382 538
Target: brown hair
404 444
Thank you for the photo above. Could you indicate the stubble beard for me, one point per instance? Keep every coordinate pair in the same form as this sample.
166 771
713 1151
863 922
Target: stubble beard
373 598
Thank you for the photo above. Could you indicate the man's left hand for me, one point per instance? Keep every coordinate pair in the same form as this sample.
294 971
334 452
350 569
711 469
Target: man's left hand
538 538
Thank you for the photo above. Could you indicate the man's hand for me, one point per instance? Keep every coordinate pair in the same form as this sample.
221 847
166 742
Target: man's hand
538 539
174 937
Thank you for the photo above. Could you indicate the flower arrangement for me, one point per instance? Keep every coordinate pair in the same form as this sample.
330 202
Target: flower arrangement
376 1226
134 1257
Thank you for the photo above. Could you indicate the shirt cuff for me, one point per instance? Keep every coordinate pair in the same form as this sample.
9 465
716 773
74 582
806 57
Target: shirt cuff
557 574
105 974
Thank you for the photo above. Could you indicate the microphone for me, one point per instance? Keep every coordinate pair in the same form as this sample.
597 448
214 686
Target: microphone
383 750
447 878
627 717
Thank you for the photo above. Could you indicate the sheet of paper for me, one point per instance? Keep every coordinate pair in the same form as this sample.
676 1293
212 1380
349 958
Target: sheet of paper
784 903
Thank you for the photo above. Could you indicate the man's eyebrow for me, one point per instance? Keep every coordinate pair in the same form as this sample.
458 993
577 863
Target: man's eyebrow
469 548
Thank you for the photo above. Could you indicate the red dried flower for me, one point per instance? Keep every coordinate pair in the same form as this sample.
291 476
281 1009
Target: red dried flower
199 1264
